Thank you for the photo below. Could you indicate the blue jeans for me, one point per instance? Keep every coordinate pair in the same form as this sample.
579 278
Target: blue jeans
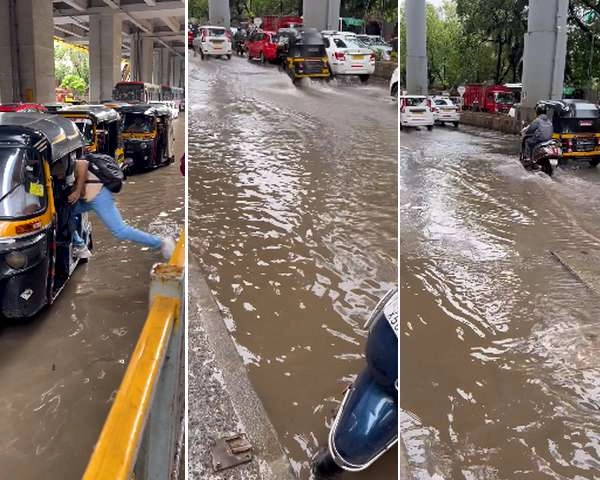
104 206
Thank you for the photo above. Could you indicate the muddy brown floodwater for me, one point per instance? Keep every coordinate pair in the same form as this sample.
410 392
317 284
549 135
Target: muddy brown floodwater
500 372
60 371
293 219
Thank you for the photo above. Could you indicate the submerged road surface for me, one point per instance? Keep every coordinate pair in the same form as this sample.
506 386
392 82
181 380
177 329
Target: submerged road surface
59 372
293 219
500 370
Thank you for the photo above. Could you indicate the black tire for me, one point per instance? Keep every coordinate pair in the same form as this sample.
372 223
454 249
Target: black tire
202 57
228 57
364 78
594 162
547 168
455 124
394 91
263 60
324 466
430 127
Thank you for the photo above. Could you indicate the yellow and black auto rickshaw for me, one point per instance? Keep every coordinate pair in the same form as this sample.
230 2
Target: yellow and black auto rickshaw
306 56
37 158
100 127
148 136
577 127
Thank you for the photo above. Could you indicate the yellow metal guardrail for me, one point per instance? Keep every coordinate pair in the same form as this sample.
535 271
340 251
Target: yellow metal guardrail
115 454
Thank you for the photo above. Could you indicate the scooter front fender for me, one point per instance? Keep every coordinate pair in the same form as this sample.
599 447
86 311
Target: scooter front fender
366 425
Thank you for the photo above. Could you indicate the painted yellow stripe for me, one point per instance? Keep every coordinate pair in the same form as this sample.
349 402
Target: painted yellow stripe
575 135
178 257
582 154
116 450
138 136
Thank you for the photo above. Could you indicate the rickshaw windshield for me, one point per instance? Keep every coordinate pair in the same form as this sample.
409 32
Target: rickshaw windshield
86 128
22 186
138 123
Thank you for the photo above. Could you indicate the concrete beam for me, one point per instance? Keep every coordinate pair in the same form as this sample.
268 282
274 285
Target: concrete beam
416 48
79 5
219 13
151 3
113 4
68 31
172 23
170 8
321 14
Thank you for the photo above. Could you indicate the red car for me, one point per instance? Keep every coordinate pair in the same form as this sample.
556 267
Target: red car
23 107
262 45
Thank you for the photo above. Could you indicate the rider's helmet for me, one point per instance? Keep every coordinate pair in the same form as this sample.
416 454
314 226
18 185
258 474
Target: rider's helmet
540 108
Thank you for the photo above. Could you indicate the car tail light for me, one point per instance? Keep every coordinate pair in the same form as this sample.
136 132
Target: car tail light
228 35
340 56
203 38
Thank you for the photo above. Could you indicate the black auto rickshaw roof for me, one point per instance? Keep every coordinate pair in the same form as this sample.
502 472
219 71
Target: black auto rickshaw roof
36 130
101 113
572 107
146 109
308 37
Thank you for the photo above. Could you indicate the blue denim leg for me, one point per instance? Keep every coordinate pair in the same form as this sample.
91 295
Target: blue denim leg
104 206
80 207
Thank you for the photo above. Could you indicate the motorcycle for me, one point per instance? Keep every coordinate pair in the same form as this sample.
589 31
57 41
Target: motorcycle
366 424
545 156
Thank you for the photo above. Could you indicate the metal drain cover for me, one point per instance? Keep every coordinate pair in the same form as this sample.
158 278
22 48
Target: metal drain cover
231 451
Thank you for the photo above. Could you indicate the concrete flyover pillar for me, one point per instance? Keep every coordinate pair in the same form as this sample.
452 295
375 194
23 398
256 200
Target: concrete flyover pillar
141 58
545 53
178 66
321 14
26 51
156 67
416 48
105 55
219 13
165 71
147 59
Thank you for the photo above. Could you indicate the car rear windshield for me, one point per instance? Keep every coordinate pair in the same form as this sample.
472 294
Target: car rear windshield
443 102
415 102
216 32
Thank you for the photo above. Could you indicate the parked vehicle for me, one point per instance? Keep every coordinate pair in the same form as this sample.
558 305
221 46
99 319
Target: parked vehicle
445 111
131 92
394 83
347 56
376 43
416 111
147 135
213 41
100 127
366 424
54 107
239 42
307 57
493 99
577 128
190 39
170 105
37 157
262 45
283 43
23 107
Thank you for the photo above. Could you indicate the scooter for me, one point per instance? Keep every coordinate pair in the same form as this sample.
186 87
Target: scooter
366 424
545 156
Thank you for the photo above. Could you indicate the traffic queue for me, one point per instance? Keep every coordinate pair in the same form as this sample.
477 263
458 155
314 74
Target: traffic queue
39 228
299 52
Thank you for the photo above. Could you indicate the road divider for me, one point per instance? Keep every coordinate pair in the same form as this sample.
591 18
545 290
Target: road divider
492 121
143 433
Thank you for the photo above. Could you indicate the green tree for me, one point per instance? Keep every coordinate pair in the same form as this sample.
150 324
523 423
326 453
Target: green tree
69 60
74 83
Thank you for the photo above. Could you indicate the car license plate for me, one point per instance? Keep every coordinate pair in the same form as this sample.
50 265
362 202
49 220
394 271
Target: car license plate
585 123
390 310
358 57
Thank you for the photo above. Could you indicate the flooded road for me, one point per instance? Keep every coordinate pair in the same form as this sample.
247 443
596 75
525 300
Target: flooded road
60 371
293 220
500 377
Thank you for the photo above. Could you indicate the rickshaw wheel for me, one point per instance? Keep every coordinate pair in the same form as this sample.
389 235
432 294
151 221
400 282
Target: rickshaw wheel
228 57
594 162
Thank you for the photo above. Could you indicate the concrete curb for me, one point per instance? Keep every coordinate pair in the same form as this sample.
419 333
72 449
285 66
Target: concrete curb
384 69
491 121
272 461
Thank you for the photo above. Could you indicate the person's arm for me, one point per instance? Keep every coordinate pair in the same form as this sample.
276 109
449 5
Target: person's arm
81 169
533 126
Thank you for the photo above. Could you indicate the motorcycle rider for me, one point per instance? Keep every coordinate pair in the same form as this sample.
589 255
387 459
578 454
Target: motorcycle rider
538 131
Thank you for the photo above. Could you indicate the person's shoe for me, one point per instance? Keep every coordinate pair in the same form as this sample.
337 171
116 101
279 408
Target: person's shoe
167 247
81 251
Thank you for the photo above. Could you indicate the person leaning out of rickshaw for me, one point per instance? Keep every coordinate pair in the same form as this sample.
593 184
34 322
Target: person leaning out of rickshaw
91 193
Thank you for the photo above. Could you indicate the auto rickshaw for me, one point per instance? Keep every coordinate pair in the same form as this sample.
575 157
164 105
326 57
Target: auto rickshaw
577 127
37 159
100 127
148 137
306 57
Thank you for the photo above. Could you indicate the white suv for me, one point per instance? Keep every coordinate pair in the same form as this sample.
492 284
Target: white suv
415 111
445 111
215 41
348 56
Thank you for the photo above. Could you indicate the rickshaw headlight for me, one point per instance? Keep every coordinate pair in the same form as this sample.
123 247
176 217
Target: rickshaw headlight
144 146
16 260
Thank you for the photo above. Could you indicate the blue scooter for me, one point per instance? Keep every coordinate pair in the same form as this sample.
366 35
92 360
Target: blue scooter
366 424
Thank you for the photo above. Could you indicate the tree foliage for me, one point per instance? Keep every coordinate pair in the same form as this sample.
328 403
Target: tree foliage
71 62
74 83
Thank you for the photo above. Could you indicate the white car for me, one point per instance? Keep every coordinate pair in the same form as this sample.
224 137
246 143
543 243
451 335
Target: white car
376 43
445 111
168 103
213 41
416 111
347 56
394 83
